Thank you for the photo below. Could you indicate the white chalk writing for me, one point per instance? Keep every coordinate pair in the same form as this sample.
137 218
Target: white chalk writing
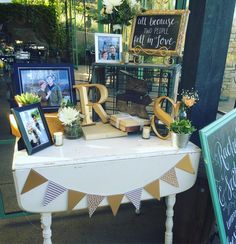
224 158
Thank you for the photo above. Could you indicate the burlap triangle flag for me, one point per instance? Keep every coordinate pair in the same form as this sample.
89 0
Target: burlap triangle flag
135 197
34 179
154 189
170 178
185 164
93 202
74 197
115 202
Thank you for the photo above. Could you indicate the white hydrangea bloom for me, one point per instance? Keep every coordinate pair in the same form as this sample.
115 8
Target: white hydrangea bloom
117 27
110 4
132 3
109 9
68 115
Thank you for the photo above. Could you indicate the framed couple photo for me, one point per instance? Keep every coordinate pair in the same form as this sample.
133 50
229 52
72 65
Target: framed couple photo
53 83
108 48
33 127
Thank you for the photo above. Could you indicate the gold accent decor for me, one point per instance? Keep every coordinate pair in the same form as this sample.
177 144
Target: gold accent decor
14 128
154 189
162 115
168 60
186 165
54 124
85 103
34 179
162 2
115 201
74 197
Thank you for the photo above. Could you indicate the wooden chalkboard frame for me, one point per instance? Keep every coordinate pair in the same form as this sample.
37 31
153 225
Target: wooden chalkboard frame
205 133
162 51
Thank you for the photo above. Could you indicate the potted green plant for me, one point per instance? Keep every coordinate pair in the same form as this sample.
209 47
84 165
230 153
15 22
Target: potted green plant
27 98
181 131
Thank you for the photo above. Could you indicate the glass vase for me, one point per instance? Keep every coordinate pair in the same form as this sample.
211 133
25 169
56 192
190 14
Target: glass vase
73 131
182 113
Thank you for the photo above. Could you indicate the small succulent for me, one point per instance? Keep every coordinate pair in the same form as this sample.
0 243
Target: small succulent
183 126
27 98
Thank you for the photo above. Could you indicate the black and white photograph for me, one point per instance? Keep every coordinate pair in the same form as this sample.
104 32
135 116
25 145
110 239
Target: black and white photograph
108 48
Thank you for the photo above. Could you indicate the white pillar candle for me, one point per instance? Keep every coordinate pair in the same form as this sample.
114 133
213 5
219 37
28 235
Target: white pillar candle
58 138
146 132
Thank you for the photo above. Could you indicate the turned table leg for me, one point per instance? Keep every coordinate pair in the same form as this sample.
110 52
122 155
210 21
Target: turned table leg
46 221
170 202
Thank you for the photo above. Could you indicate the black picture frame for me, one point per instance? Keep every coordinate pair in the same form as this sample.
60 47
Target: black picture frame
33 127
32 77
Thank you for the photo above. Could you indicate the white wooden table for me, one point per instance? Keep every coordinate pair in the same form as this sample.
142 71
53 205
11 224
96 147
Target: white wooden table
105 168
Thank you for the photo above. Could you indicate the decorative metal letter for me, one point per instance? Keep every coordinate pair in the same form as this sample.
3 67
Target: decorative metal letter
84 101
162 115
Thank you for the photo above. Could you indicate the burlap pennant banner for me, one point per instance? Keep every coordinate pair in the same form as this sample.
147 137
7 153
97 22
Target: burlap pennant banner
185 164
93 202
53 191
34 179
170 178
115 202
74 197
154 189
135 197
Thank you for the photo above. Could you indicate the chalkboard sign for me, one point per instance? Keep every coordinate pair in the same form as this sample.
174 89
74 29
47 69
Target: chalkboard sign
159 33
219 150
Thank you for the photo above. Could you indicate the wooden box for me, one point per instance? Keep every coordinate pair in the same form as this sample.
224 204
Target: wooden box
128 123
54 124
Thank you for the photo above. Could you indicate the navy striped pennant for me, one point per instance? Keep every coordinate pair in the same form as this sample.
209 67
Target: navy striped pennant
135 197
53 191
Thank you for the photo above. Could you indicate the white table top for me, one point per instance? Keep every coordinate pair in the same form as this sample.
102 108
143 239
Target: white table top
82 173
81 151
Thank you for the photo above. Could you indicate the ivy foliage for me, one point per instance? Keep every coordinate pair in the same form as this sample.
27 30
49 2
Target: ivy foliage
41 18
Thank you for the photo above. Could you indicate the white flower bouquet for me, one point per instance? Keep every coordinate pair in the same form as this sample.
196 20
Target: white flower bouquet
70 118
118 13
68 115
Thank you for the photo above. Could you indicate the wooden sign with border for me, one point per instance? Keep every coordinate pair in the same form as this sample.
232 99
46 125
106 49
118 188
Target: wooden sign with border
218 142
159 32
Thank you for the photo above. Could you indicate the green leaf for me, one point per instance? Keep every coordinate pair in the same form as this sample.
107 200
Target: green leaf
183 126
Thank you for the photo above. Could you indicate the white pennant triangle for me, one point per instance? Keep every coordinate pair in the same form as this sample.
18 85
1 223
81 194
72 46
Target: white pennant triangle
93 202
53 191
135 197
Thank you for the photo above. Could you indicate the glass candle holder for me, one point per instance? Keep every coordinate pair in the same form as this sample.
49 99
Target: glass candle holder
58 138
146 132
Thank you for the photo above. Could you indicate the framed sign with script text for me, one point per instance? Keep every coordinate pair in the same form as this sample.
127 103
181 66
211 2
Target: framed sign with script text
218 142
159 33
